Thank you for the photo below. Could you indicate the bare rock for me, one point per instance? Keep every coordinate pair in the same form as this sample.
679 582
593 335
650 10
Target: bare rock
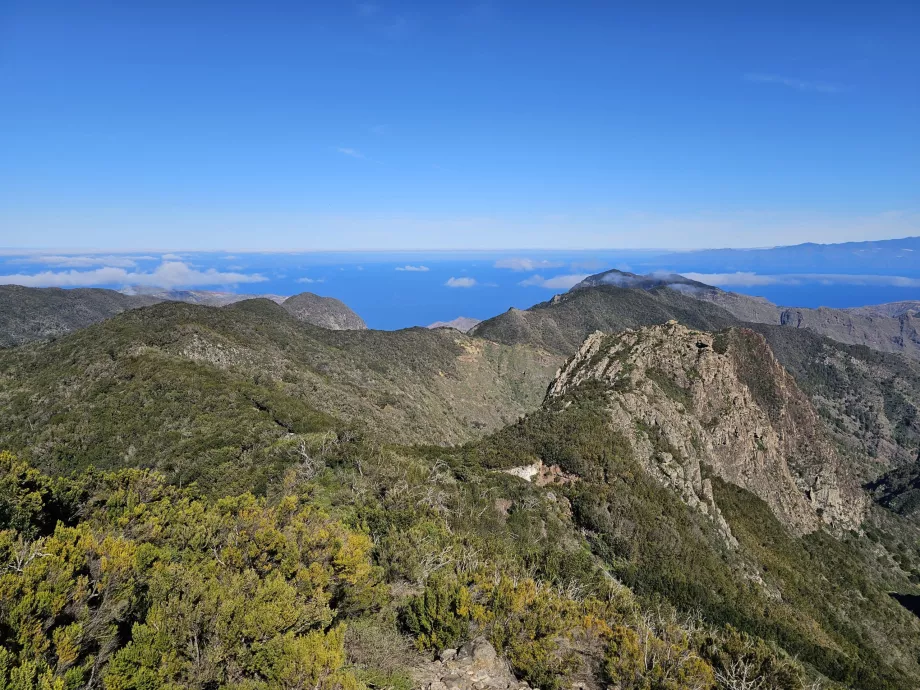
475 666
686 398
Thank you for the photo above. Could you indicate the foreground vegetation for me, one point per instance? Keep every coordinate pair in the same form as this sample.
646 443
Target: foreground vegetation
353 565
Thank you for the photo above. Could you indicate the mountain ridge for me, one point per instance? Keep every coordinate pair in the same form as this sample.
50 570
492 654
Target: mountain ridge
892 327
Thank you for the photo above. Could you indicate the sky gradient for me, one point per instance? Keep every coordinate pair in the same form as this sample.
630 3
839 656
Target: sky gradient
385 125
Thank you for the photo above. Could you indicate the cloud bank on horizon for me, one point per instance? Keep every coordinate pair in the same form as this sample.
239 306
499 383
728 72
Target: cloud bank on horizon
169 274
749 279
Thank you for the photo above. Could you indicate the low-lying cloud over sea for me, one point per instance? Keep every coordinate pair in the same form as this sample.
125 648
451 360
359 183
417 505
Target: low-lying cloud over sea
402 289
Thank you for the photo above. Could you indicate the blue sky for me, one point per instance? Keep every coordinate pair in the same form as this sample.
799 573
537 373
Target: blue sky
308 125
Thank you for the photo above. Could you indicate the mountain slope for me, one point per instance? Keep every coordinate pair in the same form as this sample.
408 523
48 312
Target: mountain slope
703 478
326 312
869 399
28 314
687 398
201 392
561 324
886 327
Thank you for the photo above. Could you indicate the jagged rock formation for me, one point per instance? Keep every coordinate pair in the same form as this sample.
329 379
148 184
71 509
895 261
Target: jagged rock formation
326 312
476 666
688 399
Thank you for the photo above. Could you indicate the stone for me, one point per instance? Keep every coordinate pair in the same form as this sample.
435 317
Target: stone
475 666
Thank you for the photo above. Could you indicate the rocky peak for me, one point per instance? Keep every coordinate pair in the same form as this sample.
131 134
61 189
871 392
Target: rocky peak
688 398
326 312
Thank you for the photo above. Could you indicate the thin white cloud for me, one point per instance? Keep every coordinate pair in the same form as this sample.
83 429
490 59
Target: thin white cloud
563 282
346 151
84 261
797 84
460 282
171 257
419 269
169 274
746 279
740 279
525 264
305 279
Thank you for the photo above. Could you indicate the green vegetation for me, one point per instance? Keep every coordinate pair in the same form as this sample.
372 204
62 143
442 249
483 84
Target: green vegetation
562 324
155 586
136 583
205 498
831 608
222 396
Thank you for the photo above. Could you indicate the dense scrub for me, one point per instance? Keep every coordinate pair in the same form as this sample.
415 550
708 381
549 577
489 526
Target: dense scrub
119 580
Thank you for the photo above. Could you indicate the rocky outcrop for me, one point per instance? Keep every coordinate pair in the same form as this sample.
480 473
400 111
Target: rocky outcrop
542 475
326 312
688 398
476 666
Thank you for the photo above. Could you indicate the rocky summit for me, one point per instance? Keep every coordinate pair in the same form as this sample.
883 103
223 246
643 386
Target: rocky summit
690 399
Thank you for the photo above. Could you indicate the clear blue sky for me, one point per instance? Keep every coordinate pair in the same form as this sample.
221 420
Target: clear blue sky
271 125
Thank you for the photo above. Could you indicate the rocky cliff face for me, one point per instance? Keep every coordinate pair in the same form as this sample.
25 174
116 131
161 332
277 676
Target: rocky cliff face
687 399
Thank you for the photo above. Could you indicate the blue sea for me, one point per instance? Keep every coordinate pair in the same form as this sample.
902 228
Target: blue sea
400 289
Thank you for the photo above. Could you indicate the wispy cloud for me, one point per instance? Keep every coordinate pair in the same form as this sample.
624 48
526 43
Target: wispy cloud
747 279
353 153
741 279
305 279
84 261
563 282
169 274
367 9
419 269
518 263
171 257
460 282
798 84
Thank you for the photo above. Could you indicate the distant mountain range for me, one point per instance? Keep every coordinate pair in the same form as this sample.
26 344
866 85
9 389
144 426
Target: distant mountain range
888 327
881 257
28 314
